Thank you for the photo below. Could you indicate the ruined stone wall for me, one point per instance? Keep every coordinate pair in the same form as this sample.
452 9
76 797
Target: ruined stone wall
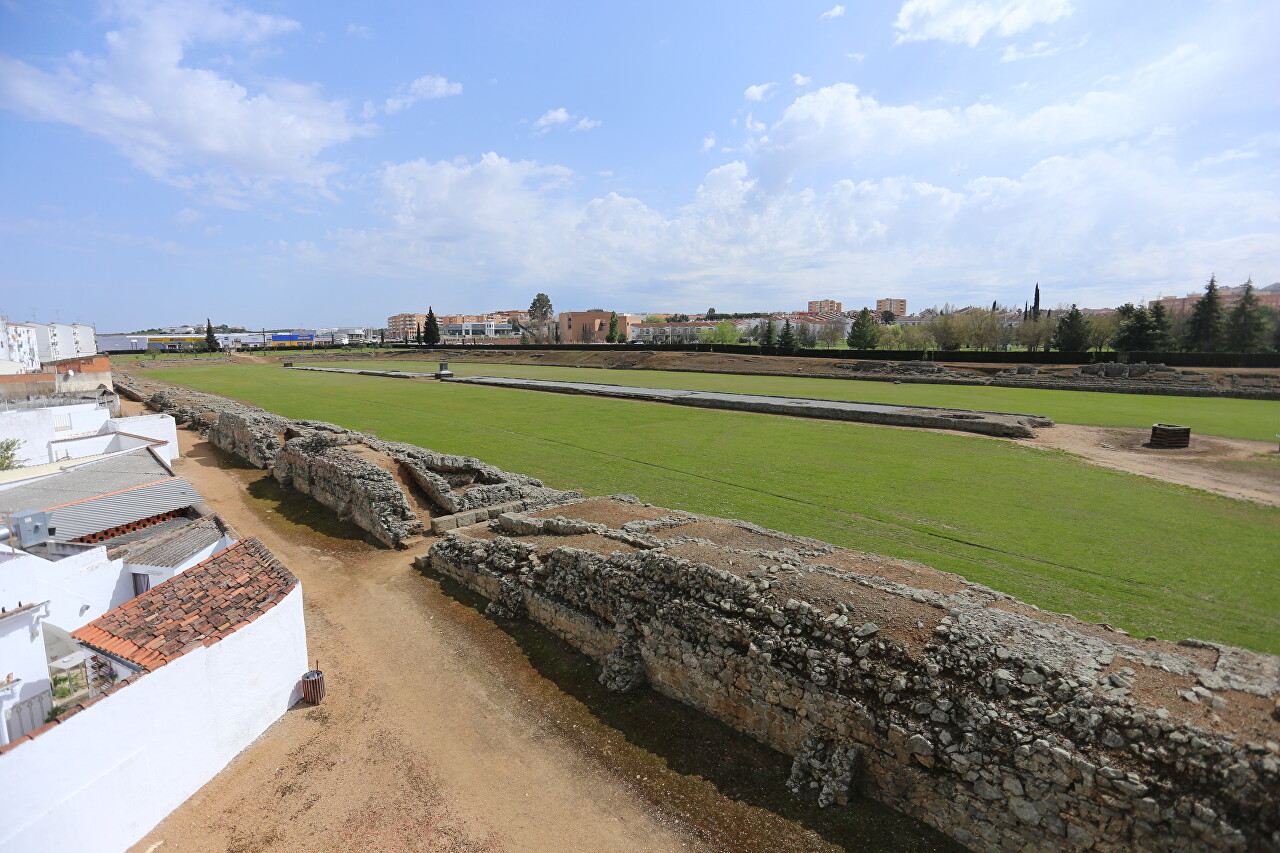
316 464
1004 726
325 461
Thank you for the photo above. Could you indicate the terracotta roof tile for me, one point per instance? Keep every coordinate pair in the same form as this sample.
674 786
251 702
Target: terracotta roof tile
198 607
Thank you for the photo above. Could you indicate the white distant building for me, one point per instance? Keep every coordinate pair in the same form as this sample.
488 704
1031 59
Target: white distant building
19 351
57 341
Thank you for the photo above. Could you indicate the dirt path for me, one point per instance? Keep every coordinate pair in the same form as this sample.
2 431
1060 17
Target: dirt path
1232 467
435 733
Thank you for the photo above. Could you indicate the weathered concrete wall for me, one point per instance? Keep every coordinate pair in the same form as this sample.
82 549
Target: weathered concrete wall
1007 727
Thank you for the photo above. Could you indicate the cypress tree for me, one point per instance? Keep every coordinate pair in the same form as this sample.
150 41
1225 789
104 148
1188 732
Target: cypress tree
612 336
210 342
1204 330
1035 306
431 331
417 337
1245 324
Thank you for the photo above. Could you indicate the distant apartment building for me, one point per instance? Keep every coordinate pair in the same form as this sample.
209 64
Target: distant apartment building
593 326
897 306
403 326
1268 296
817 306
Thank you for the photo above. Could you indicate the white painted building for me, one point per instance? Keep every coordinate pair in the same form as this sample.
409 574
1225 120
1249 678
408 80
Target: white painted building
56 341
19 352
59 433
187 675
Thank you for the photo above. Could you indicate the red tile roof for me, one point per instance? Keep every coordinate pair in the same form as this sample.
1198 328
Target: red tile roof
196 608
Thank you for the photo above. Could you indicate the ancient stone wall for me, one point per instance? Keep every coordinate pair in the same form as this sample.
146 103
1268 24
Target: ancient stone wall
336 466
1005 726
316 464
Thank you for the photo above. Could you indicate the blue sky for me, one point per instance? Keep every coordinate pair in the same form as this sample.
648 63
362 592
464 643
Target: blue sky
290 164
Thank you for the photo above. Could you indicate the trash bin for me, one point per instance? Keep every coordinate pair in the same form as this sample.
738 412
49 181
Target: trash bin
313 686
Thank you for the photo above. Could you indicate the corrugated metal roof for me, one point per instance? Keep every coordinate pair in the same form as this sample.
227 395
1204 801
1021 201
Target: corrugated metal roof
112 474
134 537
172 547
112 510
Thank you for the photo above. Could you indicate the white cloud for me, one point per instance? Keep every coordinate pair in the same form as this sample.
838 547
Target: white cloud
551 118
359 31
422 89
801 80
1085 223
832 13
708 142
188 216
760 92
856 57
967 21
559 116
1013 52
192 127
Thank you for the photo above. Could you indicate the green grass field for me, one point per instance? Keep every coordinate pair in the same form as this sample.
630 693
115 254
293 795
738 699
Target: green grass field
1253 419
1146 556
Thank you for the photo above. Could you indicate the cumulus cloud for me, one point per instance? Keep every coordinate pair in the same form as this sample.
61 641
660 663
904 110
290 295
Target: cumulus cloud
561 116
191 127
422 89
709 142
832 13
967 21
760 92
801 80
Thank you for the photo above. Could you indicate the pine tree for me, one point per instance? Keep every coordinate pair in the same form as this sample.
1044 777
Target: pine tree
1072 332
863 334
1204 330
1035 306
1246 327
711 313
210 342
524 339
1136 330
770 336
805 338
541 317
431 331
1161 333
787 338
612 336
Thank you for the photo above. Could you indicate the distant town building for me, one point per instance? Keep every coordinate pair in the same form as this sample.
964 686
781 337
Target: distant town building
818 305
19 352
403 326
897 306
1268 296
593 326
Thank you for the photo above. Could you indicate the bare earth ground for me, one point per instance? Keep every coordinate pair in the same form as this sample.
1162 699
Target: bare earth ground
1236 468
435 734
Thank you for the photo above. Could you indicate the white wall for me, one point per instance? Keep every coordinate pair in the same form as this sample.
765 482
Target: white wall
84 340
159 427
104 777
82 587
32 427
18 345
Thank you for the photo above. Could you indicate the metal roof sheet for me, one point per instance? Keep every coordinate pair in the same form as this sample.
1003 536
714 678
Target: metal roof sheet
112 510
173 547
112 474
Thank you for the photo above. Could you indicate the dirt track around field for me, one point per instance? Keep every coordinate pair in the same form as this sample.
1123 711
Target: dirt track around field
435 735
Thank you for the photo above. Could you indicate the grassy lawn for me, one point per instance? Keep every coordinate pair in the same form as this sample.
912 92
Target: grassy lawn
1149 557
1253 419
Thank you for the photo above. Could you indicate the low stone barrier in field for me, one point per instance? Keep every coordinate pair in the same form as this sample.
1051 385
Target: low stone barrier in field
1006 424
1007 727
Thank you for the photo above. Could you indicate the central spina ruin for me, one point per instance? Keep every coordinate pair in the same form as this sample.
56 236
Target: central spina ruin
1008 727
